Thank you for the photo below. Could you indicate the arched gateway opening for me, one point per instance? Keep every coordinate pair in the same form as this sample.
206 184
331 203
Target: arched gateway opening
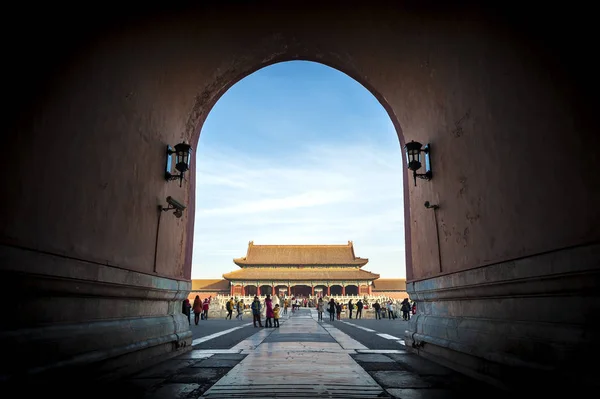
505 109
299 157
330 62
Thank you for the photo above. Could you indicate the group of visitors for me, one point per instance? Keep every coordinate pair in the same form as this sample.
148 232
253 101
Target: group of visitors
271 313
359 307
382 309
199 307
335 310
239 307
407 308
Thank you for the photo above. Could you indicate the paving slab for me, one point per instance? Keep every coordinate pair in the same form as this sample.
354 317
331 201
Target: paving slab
164 369
373 366
173 391
299 337
419 365
216 363
195 355
372 357
425 393
199 376
400 379
229 356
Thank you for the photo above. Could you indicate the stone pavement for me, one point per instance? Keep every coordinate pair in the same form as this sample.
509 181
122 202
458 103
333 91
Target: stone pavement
301 359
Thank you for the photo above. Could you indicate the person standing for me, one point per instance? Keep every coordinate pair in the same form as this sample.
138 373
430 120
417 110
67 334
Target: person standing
391 311
197 308
359 308
338 310
331 310
320 308
405 308
350 308
185 309
377 308
256 307
276 316
286 303
205 306
269 311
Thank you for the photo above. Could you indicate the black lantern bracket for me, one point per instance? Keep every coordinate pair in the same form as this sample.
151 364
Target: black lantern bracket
182 153
413 158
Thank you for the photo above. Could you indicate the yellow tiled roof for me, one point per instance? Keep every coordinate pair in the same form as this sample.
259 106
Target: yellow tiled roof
389 284
210 285
301 273
300 255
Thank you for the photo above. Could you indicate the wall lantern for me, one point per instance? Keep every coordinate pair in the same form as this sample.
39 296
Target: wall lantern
413 158
183 152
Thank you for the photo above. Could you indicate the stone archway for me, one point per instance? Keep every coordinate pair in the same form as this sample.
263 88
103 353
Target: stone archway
496 107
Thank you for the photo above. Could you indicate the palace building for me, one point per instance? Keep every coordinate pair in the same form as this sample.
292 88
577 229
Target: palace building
305 270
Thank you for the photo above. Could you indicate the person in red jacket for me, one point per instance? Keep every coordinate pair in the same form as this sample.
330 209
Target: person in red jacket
205 308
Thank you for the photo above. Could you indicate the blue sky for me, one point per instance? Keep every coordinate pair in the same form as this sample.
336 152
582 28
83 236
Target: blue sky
298 153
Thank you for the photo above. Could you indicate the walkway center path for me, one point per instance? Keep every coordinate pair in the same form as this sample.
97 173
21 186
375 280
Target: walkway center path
302 358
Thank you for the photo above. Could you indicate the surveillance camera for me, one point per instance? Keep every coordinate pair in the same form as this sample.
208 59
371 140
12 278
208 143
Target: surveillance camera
175 204
178 213
429 206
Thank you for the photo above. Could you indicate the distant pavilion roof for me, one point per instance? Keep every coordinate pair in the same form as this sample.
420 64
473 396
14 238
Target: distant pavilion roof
210 285
300 274
389 284
292 255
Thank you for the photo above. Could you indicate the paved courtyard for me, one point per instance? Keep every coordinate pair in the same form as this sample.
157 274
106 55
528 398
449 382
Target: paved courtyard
303 358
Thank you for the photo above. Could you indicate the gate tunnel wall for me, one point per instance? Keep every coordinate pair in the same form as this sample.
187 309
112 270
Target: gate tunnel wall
505 113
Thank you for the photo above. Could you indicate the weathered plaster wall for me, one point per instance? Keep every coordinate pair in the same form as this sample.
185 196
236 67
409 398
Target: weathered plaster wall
497 124
507 135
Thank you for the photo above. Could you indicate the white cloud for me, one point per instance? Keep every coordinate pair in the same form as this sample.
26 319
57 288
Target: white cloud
318 195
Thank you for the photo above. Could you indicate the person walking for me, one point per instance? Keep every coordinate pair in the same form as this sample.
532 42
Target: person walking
197 308
256 307
229 308
240 310
286 303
